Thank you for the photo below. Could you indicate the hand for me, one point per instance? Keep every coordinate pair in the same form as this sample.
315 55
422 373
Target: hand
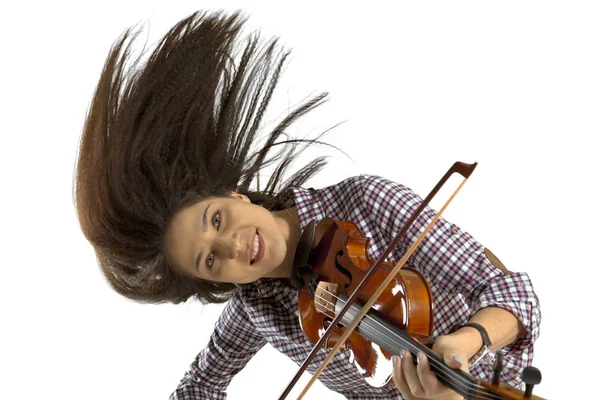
418 382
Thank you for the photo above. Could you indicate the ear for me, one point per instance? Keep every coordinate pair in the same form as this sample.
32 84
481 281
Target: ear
239 196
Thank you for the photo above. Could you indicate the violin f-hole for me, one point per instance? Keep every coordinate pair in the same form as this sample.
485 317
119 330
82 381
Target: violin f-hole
327 321
343 270
332 339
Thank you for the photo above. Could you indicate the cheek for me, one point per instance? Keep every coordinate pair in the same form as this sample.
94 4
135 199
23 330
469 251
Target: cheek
278 249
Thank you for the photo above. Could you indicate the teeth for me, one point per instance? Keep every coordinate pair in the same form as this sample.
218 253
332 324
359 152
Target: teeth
256 245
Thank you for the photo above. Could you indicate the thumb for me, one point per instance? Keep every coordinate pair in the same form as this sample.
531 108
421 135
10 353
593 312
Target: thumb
454 358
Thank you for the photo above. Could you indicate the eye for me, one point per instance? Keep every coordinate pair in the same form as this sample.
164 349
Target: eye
216 220
210 261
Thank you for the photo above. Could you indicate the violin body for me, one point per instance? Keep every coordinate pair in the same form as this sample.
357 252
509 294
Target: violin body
340 256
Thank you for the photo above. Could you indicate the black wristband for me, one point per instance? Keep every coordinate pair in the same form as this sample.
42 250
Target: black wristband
484 335
487 344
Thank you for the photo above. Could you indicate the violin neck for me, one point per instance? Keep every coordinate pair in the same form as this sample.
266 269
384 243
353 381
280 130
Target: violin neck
394 340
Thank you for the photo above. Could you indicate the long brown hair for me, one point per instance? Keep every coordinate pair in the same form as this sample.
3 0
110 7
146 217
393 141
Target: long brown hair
171 131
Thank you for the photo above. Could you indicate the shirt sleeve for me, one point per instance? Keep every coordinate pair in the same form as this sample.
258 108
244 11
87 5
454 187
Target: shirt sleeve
233 343
451 257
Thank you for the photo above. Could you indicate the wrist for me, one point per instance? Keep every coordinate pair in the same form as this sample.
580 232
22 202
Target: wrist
483 343
468 339
486 345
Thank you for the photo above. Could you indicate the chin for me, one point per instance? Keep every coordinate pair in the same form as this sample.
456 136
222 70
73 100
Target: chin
274 272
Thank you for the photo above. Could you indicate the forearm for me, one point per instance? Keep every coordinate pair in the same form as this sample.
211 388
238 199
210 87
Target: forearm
502 327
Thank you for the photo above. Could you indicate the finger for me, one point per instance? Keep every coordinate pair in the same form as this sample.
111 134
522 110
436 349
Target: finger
399 380
453 361
429 382
409 371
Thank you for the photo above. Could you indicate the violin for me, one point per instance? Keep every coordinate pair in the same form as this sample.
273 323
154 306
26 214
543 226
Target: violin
406 302
375 309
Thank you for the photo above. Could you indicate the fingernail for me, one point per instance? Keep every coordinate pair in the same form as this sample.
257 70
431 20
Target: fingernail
402 353
457 359
419 356
395 360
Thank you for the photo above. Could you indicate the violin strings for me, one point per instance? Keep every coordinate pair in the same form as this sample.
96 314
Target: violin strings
457 379
451 376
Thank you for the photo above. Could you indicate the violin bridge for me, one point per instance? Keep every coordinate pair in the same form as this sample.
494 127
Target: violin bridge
325 297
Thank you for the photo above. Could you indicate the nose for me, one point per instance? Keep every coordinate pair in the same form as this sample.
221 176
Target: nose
230 246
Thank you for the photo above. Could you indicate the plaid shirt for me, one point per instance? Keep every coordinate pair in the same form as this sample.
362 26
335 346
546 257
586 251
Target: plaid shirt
461 277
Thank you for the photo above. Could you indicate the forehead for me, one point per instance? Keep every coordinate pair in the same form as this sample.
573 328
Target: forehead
185 229
189 219
196 208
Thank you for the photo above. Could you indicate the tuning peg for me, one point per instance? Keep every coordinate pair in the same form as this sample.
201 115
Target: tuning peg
497 368
531 376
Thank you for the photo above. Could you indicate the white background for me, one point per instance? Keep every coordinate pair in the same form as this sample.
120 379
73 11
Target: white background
514 85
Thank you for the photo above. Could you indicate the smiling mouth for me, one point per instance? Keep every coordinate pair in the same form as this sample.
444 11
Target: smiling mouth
257 248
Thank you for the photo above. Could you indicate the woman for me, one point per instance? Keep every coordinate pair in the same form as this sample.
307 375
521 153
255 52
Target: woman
169 193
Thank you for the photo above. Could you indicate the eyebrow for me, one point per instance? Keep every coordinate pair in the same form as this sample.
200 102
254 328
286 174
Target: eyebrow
204 228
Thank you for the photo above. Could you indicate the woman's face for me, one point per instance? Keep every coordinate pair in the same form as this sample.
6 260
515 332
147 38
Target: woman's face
228 239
